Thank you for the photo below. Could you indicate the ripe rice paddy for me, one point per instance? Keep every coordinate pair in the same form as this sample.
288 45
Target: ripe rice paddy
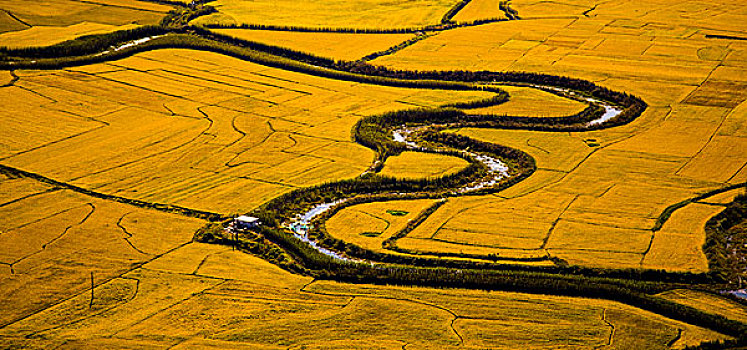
205 131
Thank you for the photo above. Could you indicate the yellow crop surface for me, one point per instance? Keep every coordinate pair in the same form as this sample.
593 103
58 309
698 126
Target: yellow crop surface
95 160
528 102
422 165
530 9
52 240
713 303
341 46
553 151
494 46
207 296
368 225
70 12
686 143
678 245
195 128
330 13
44 36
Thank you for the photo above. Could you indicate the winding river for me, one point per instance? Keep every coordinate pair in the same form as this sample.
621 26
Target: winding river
497 169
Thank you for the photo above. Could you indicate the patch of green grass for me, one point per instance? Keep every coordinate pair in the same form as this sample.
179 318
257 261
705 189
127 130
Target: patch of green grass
397 212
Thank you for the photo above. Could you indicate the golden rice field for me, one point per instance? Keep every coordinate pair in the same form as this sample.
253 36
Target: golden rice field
210 132
207 296
182 127
50 35
422 165
368 225
528 102
608 186
368 14
22 15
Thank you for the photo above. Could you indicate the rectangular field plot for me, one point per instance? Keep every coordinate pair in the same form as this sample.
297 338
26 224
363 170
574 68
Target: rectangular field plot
683 134
510 238
676 252
70 12
572 235
602 259
719 161
429 246
519 223
50 35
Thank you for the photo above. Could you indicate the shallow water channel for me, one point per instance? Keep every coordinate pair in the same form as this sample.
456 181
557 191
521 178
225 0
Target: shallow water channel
497 171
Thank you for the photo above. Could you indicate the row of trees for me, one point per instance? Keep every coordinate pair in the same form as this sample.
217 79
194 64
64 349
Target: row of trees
505 6
726 242
84 45
395 48
447 18
181 16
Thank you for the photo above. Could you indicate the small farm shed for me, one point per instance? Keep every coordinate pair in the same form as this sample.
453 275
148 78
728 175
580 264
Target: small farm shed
246 222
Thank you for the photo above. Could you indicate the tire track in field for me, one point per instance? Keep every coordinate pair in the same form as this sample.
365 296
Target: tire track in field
36 333
611 337
88 215
155 154
128 234
555 223
135 266
92 209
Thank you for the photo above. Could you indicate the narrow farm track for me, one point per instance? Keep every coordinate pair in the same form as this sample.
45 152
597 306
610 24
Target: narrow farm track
424 131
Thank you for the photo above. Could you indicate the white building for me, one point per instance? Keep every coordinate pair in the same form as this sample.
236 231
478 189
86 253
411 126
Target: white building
246 222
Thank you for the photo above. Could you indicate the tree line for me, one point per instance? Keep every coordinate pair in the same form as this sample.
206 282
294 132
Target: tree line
726 242
447 18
